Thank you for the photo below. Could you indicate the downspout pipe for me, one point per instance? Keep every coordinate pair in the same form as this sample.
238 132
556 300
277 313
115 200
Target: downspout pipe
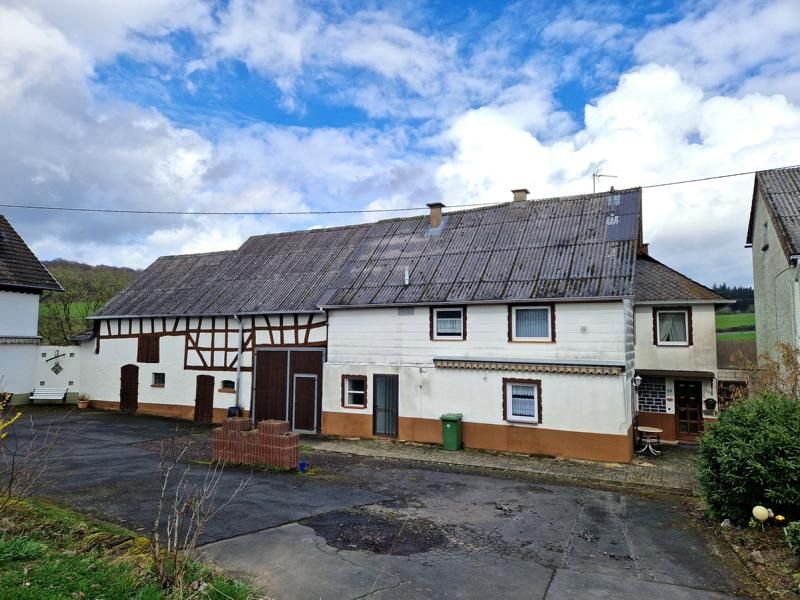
239 359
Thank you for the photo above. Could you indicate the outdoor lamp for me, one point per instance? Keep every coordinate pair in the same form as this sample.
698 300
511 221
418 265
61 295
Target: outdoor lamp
637 381
710 403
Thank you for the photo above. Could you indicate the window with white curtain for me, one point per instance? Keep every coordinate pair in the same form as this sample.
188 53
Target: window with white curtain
448 323
532 324
522 401
673 327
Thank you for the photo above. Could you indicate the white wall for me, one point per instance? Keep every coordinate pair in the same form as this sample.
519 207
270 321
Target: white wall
700 356
17 367
586 403
385 341
19 314
100 374
69 357
584 331
776 288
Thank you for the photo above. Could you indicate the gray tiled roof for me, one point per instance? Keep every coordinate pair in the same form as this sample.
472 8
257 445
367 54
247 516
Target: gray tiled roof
656 282
19 267
573 247
780 189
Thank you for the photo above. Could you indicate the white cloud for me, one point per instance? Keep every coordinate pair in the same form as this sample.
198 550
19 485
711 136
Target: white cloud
732 43
654 127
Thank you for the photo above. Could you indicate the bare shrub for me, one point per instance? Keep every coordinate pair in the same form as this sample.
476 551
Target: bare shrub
183 513
777 374
24 451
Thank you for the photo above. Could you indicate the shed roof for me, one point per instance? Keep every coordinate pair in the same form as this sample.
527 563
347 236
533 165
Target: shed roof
577 247
780 189
19 267
656 282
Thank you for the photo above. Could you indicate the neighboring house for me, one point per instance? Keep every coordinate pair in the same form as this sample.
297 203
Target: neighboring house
774 235
676 350
22 280
519 316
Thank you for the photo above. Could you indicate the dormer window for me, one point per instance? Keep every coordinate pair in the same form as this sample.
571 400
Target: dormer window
673 327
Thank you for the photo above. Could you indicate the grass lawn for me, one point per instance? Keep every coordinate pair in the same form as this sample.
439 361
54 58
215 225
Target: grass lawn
738 320
736 335
48 552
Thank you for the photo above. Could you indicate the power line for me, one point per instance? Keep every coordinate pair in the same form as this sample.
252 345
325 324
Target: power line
127 211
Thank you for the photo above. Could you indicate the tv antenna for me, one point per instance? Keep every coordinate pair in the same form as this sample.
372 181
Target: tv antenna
597 175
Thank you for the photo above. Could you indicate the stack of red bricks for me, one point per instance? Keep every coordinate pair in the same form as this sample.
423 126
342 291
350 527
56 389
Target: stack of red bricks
271 443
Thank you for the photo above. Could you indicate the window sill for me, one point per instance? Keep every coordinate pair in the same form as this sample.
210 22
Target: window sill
354 406
226 391
519 422
155 385
673 345
542 341
446 339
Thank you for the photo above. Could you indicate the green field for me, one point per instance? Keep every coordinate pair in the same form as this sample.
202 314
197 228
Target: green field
76 309
727 321
736 335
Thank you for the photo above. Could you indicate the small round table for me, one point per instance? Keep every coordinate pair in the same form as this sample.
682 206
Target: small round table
650 440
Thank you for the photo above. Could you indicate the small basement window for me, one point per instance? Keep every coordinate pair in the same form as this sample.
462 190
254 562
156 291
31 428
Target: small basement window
228 386
522 400
448 324
673 327
354 391
159 379
532 324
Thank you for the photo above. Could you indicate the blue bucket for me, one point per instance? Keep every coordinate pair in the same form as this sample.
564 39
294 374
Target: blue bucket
302 466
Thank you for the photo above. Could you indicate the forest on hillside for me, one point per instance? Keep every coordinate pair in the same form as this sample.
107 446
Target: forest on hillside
86 289
743 295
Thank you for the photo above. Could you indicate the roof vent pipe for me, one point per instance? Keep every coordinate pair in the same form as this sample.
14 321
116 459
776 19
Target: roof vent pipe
406 278
520 195
436 214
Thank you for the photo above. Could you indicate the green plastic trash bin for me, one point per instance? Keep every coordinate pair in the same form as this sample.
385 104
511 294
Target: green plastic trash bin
451 431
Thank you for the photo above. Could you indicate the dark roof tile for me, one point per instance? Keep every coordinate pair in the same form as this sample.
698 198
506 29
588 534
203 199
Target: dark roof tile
656 282
19 267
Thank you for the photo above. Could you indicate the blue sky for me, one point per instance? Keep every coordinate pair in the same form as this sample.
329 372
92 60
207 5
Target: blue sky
287 105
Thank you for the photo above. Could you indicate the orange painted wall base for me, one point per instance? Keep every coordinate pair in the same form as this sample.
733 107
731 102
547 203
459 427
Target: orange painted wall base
172 411
502 438
662 421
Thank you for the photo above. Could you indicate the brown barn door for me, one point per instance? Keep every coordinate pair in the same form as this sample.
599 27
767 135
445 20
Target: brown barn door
129 388
271 385
385 404
689 410
304 403
204 399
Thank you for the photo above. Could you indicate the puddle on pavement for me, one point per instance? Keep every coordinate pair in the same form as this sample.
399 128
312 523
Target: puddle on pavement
377 533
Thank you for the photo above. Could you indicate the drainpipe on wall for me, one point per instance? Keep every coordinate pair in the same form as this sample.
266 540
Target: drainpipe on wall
239 358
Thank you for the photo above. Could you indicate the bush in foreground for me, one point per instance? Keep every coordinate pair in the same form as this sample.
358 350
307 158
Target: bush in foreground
752 456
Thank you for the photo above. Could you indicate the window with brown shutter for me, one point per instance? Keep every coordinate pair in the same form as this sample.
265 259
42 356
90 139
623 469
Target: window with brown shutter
147 351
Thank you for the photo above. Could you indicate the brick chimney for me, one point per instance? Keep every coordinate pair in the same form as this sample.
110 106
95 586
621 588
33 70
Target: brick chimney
436 214
644 249
520 195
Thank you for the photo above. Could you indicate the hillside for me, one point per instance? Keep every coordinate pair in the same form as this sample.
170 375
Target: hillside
87 288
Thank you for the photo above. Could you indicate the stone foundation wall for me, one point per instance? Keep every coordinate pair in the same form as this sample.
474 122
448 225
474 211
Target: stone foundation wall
270 444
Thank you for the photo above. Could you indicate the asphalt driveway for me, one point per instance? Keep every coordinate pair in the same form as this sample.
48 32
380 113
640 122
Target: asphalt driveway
359 527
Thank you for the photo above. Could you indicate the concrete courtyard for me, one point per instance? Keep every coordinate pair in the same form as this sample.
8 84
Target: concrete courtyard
365 527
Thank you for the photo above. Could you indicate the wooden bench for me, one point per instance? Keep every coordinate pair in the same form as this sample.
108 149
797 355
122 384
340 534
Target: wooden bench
51 394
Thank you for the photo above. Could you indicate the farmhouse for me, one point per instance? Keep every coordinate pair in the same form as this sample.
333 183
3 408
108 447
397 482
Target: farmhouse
525 317
774 236
23 279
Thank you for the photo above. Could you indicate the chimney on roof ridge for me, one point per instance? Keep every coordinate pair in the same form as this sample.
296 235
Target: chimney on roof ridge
436 214
520 195
644 249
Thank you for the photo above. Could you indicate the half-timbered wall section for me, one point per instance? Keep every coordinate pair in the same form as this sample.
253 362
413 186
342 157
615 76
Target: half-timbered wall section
212 343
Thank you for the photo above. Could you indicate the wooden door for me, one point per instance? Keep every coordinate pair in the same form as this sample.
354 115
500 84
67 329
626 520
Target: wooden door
271 385
688 409
129 388
304 364
304 402
204 399
385 404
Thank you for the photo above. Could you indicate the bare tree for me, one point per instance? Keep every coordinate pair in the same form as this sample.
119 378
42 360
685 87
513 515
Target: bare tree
183 513
777 373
